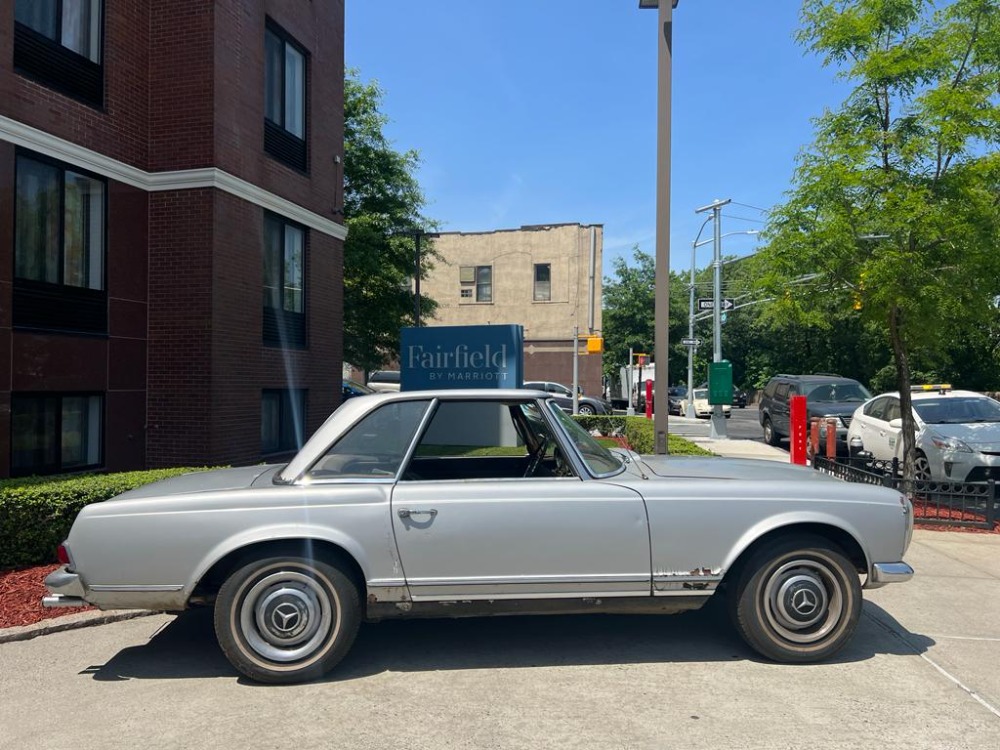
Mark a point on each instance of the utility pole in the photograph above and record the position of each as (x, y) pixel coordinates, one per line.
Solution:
(416, 278)
(718, 418)
(576, 369)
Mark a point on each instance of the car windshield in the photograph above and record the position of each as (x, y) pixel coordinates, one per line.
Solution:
(599, 460)
(355, 386)
(837, 392)
(700, 394)
(957, 410)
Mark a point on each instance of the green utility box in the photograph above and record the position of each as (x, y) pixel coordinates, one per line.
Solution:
(720, 382)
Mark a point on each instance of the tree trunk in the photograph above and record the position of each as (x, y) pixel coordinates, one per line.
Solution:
(905, 405)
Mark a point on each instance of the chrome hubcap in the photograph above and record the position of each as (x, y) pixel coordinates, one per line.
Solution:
(286, 615)
(803, 601)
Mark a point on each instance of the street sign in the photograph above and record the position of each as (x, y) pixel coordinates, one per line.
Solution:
(706, 303)
(691, 342)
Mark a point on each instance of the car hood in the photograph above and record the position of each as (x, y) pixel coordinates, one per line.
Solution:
(833, 408)
(712, 467)
(984, 436)
(200, 481)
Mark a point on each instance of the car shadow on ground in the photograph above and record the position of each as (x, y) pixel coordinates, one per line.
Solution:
(186, 646)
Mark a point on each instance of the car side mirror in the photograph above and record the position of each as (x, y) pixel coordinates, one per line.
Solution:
(896, 423)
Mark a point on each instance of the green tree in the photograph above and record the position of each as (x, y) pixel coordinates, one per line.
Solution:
(896, 203)
(381, 199)
(628, 314)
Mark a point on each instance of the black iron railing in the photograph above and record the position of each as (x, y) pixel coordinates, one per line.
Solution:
(973, 504)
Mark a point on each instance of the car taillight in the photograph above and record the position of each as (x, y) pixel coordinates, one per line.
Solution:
(62, 554)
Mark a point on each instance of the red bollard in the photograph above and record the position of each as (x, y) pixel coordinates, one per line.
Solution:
(797, 428)
(831, 438)
(649, 399)
(814, 437)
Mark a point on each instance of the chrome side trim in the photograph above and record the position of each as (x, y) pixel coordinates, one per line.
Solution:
(141, 589)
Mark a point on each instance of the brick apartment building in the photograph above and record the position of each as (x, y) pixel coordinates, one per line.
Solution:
(546, 278)
(171, 241)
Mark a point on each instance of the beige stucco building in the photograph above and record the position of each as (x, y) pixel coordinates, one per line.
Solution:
(546, 278)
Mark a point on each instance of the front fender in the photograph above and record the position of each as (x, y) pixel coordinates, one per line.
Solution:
(788, 521)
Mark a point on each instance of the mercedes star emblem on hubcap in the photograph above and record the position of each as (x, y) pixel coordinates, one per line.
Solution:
(804, 602)
(285, 617)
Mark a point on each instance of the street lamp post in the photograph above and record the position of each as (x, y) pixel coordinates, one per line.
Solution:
(661, 311)
(689, 411)
(718, 418)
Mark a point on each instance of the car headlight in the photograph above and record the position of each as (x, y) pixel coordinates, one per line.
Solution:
(950, 444)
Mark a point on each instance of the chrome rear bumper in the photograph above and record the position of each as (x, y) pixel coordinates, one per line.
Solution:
(66, 589)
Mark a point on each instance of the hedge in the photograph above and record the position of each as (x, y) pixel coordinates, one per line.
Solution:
(638, 432)
(36, 513)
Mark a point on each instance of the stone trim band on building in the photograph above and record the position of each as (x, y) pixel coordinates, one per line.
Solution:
(26, 136)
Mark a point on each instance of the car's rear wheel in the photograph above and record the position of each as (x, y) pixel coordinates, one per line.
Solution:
(586, 410)
(286, 619)
(798, 600)
(921, 468)
(770, 436)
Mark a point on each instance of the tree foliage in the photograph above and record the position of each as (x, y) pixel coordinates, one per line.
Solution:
(381, 199)
(628, 311)
(895, 205)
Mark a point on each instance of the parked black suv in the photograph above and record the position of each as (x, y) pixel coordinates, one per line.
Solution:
(826, 396)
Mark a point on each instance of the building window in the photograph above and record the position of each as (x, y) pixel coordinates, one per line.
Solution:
(543, 282)
(478, 277)
(59, 248)
(282, 420)
(284, 283)
(59, 43)
(484, 283)
(52, 433)
(284, 98)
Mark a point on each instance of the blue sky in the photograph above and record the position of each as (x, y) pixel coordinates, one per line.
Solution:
(544, 111)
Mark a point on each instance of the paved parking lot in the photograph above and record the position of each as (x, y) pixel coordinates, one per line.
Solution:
(921, 673)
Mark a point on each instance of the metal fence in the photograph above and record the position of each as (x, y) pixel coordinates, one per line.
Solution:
(974, 504)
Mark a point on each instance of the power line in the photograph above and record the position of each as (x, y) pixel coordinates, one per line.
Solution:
(755, 208)
(744, 218)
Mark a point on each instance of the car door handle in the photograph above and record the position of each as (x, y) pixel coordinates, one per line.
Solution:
(406, 512)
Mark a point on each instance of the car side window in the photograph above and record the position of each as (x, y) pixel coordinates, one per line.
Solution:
(375, 446)
(469, 440)
(770, 389)
(876, 408)
(892, 410)
(781, 392)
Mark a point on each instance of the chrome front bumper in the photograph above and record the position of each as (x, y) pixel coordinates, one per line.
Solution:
(883, 573)
(66, 589)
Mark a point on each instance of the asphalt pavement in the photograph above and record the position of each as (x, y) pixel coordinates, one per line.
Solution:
(920, 673)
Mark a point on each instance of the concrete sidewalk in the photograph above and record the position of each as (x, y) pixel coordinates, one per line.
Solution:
(741, 449)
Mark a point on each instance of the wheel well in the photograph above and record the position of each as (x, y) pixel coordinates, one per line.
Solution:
(842, 539)
(209, 584)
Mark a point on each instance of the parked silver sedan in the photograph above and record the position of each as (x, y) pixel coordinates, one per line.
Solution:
(482, 502)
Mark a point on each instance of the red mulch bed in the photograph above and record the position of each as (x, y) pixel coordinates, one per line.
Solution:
(922, 509)
(21, 593)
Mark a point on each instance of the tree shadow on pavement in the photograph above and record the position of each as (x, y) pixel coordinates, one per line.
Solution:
(186, 647)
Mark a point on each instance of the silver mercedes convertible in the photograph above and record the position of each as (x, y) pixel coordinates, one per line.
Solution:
(481, 502)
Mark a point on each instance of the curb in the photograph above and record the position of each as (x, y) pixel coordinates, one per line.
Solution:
(70, 622)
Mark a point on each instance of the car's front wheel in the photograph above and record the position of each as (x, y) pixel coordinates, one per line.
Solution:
(286, 619)
(798, 600)
(586, 410)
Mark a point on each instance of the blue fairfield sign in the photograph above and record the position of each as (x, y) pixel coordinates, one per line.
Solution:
(462, 357)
